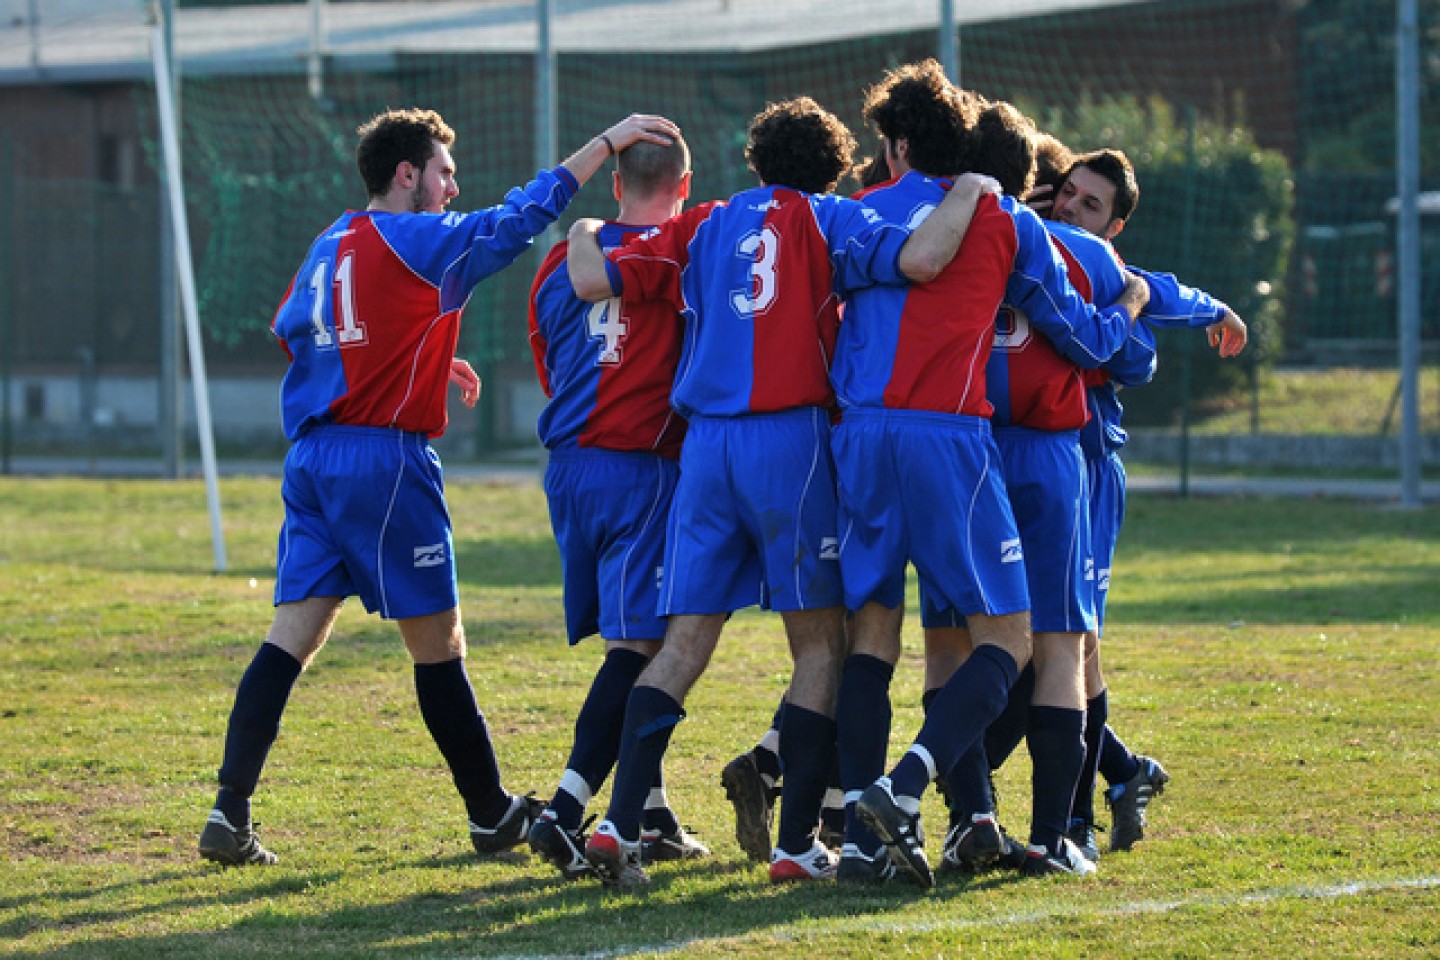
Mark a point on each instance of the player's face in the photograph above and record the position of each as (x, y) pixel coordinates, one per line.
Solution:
(1087, 200)
(436, 186)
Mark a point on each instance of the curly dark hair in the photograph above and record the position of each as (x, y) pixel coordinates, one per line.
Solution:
(1114, 166)
(390, 138)
(917, 103)
(799, 144)
(1007, 147)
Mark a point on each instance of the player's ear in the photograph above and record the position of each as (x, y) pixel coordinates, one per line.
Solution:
(684, 192)
(1113, 229)
(405, 174)
(615, 186)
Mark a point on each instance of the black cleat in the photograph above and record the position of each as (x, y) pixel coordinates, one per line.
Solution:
(512, 829)
(1082, 834)
(1040, 862)
(1127, 803)
(973, 847)
(680, 845)
(859, 868)
(900, 831)
(753, 808)
(222, 842)
(563, 849)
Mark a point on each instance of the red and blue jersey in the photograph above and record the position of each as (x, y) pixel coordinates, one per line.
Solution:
(923, 347)
(758, 282)
(1028, 380)
(372, 318)
(607, 367)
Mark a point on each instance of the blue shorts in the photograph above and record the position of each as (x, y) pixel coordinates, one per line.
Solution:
(1107, 514)
(1045, 474)
(926, 488)
(754, 516)
(609, 510)
(365, 514)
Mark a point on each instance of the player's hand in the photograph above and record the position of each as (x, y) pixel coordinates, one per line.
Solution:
(1229, 334)
(1040, 199)
(978, 183)
(464, 376)
(584, 227)
(642, 126)
(1135, 295)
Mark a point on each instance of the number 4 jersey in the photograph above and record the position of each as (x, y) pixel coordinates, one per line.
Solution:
(372, 318)
(607, 367)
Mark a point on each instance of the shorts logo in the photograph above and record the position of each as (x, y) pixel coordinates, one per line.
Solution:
(660, 577)
(829, 548)
(1089, 569)
(1102, 581)
(1010, 551)
(431, 556)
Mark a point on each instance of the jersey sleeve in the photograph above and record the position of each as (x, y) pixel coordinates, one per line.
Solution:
(864, 247)
(651, 267)
(1173, 304)
(1135, 362)
(1038, 285)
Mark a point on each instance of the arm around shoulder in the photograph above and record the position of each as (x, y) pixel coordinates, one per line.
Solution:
(934, 243)
(586, 262)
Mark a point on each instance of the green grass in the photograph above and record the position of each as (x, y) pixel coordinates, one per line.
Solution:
(1330, 400)
(1279, 656)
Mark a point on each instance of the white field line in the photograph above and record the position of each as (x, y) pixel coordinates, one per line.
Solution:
(871, 923)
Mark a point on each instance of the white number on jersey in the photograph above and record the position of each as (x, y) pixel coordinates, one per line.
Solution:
(918, 216)
(351, 331)
(1012, 329)
(762, 249)
(609, 328)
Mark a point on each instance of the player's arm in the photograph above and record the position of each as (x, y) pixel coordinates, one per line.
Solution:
(1174, 304)
(933, 244)
(1135, 362)
(589, 270)
(583, 163)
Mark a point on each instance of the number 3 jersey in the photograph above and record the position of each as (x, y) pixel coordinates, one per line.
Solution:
(372, 318)
(607, 367)
(757, 281)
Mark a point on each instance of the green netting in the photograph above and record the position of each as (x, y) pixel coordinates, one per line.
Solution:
(1262, 132)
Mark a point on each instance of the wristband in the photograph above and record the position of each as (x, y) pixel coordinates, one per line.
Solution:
(608, 144)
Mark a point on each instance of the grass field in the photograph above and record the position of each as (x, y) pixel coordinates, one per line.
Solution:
(1279, 656)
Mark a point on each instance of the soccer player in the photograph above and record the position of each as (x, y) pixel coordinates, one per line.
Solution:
(614, 444)
(370, 323)
(917, 468)
(1040, 405)
(753, 521)
(1098, 192)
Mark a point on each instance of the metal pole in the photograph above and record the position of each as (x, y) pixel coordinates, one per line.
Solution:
(1407, 173)
(170, 402)
(185, 269)
(546, 129)
(33, 22)
(1187, 352)
(949, 52)
(7, 294)
(315, 62)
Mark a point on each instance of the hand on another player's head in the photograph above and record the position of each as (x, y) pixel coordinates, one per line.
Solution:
(1229, 333)
(1040, 199)
(643, 126)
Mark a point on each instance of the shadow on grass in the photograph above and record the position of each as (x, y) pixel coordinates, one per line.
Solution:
(533, 913)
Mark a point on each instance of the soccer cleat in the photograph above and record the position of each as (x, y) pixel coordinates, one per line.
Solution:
(857, 867)
(615, 860)
(900, 831)
(753, 808)
(817, 863)
(1127, 802)
(1012, 856)
(680, 845)
(973, 847)
(1040, 862)
(222, 842)
(512, 829)
(563, 848)
(1082, 834)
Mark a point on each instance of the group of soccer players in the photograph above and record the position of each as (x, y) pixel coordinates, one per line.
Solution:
(785, 399)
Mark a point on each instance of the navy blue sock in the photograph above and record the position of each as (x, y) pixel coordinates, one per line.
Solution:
(1117, 764)
(597, 731)
(1005, 734)
(1097, 714)
(447, 703)
(807, 749)
(968, 784)
(254, 724)
(1057, 751)
(862, 730)
(650, 718)
(970, 700)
